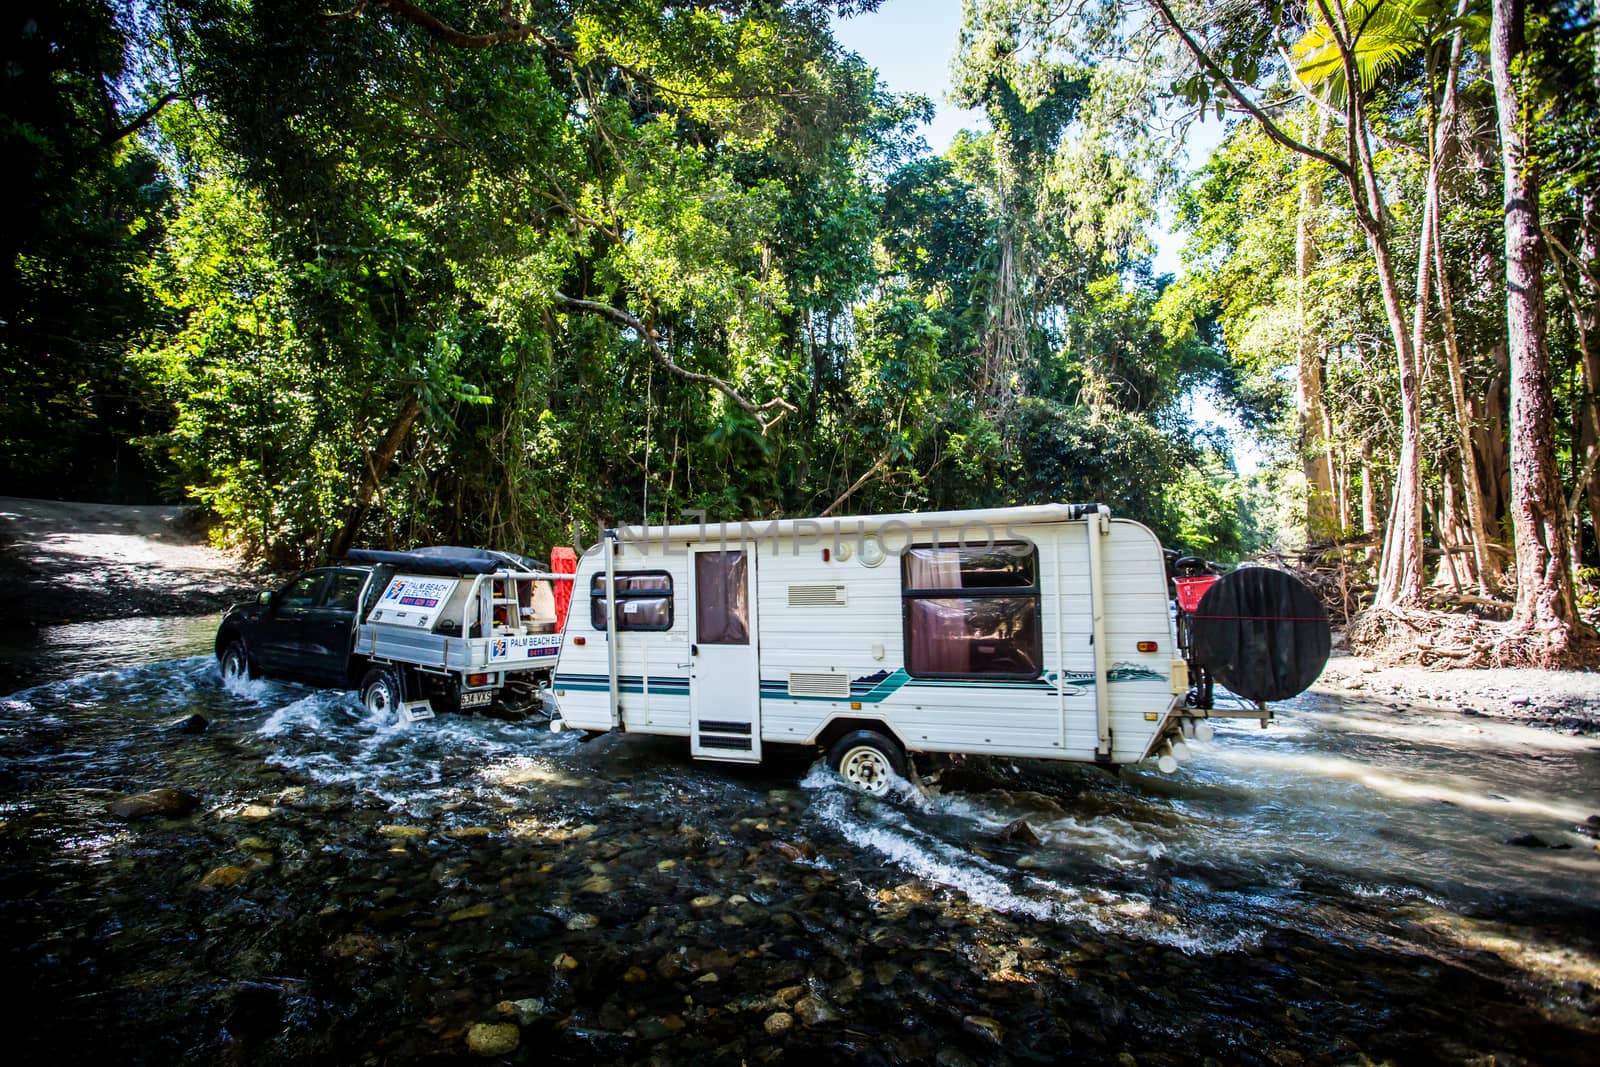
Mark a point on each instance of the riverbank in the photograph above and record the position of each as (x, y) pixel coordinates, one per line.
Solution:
(1568, 701)
(67, 562)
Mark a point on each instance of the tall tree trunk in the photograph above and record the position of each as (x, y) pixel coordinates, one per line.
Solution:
(1486, 565)
(1322, 519)
(1442, 145)
(372, 475)
(1369, 490)
(1545, 609)
(1400, 575)
(1586, 313)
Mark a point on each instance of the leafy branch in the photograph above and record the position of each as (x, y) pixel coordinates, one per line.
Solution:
(652, 341)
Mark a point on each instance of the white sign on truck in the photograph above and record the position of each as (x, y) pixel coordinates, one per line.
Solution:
(413, 600)
(533, 646)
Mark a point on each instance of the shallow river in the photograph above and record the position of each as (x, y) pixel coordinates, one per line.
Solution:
(1336, 889)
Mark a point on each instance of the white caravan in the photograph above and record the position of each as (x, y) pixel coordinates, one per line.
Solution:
(1041, 632)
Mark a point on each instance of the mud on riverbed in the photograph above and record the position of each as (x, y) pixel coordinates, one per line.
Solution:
(1336, 890)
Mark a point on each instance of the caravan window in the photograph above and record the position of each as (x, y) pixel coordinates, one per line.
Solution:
(644, 600)
(972, 611)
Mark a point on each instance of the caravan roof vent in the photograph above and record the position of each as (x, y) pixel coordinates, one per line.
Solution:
(817, 596)
(819, 684)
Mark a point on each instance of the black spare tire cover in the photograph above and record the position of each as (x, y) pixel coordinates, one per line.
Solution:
(1262, 634)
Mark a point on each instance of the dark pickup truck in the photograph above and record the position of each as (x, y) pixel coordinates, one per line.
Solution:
(434, 628)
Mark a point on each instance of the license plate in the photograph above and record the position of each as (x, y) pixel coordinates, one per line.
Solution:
(481, 699)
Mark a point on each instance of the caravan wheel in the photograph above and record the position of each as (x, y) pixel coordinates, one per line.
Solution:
(868, 760)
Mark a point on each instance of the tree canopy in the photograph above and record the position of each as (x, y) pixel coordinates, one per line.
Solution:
(448, 270)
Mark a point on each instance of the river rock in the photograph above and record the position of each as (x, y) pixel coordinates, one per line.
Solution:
(983, 1026)
(223, 877)
(525, 1011)
(779, 1022)
(493, 1039)
(1019, 831)
(189, 724)
(157, 803)
(814, 1011)
(1527, 841)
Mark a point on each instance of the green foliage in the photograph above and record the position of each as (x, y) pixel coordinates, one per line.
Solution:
(478, 294)
(86, 204)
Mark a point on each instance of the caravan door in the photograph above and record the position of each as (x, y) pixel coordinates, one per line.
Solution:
(724, 677)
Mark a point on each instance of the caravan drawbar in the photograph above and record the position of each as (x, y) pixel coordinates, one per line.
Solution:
(1042, 632)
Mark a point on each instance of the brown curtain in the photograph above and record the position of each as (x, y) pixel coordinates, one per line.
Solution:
(722, 598)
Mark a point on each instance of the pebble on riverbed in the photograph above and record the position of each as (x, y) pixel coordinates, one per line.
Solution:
(223, 877)
(1534, 841)
(157, 803)
(189, 724)
(493, 1039)
(1019, 832)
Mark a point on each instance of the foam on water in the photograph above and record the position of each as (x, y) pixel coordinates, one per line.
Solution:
(332, 739)
(884, 828)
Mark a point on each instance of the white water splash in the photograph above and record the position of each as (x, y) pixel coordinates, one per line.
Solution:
(887, 831)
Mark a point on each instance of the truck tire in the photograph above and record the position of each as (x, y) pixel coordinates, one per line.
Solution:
(868, 761)
(234, 664)
(380, 692)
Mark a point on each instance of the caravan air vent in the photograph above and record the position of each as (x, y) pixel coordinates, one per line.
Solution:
(819, 684)
(817, 596)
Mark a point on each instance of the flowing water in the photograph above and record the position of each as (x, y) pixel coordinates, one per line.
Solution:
(1336, 889)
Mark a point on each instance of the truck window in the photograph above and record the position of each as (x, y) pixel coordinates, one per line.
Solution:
(972, 611)
(644, 600)
(343, 591)
(300, 593)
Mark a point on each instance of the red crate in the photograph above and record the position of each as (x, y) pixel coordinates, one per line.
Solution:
(1191, 590)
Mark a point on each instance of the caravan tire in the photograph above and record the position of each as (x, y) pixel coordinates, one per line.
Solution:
(380, 693)
(868, 761)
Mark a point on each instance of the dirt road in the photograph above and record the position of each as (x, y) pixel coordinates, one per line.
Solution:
(69, 562)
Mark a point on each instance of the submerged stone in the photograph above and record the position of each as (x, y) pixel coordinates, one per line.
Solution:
(493, 1039)
(813, 1011)
(779, 1022)
(189, 724)
(1535, 841)
(157, 803)
(1019, 831)
(984, 1027)
(223, 877)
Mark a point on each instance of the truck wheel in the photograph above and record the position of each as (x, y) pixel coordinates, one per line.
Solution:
(868, 760)
(234, 664)
(380, 693)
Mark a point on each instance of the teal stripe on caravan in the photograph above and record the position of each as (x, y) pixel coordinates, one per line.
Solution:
(859, 690)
